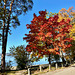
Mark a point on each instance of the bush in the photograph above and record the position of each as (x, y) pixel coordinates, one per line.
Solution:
(21, 56)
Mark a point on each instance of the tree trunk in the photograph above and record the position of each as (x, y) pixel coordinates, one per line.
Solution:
(62, 57)
(3, 61)
(4, 38)
(63, 60)
(3, 42)
(8, 22)
(49, 59)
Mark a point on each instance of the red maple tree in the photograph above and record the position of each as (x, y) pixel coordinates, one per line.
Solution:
(47, 36)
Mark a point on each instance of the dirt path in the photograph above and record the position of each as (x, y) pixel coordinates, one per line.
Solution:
(67, 71)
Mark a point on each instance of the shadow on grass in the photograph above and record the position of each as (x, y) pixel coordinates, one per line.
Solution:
(8, 71)
(73, 66)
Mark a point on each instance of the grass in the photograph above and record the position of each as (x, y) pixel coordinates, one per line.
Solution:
(34, 71)
(47, 70)
(9, 73)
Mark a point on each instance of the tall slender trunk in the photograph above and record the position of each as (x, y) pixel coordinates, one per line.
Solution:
(3, 42)
(49, 59)
(4, 38)
(8, 22)
(63, 60)
(62, 57)
(3, 61)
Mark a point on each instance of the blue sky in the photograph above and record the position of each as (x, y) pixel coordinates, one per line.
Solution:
(16, 38)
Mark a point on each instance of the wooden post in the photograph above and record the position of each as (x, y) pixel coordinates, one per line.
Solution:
(40, 68)
(70, 61)
(56, 65)
(62, 64)
(49, 66)
(29, 72)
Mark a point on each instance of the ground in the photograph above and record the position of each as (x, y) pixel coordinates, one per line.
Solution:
(65, 71)
(60, 71)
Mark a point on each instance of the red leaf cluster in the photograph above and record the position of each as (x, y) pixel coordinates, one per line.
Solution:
(47, 36)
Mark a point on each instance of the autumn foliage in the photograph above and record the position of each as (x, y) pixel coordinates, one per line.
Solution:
(47, 36)
(65, 14)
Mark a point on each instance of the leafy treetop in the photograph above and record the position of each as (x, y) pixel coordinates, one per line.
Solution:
(47, 35)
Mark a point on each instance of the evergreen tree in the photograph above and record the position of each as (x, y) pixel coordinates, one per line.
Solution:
(9, 12)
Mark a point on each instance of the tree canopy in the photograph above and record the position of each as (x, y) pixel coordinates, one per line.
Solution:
(47, 35)
(9, 12)
(65, 14)
(21, 56)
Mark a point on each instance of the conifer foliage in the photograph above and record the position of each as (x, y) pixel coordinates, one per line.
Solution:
(9, 12)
